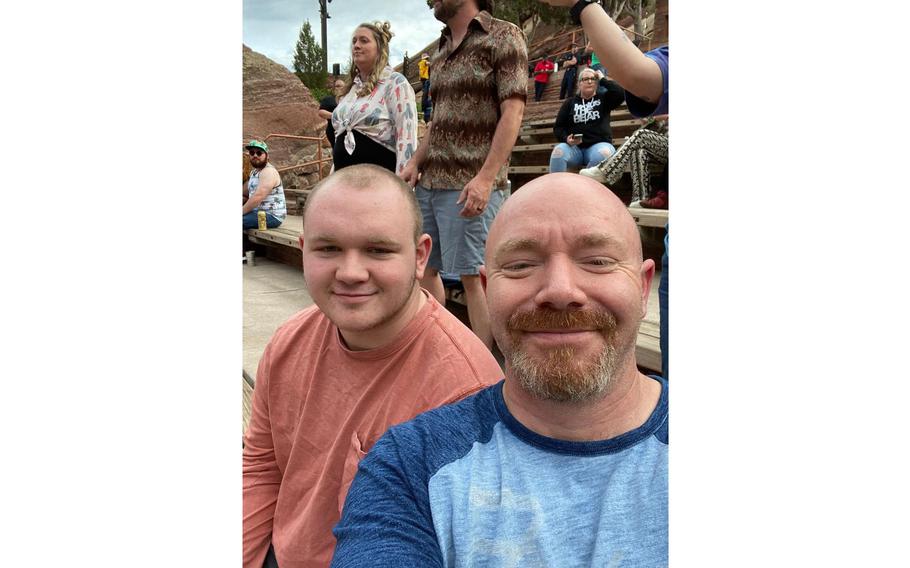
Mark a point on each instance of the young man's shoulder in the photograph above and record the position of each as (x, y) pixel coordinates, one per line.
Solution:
(441, 435)
(306, 321)
(458, 350)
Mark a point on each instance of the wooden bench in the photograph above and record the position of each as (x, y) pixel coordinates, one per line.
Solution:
(649, 217)
(647, 347)
(287, 234)
(548, 147)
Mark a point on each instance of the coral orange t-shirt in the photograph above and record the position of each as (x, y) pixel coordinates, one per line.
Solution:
(319, 407)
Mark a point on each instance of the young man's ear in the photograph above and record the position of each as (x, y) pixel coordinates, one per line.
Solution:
(424, 245)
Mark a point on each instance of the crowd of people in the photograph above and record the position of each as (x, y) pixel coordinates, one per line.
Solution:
(383, 431)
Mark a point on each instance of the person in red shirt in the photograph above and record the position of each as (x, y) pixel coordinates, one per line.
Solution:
(542, 72)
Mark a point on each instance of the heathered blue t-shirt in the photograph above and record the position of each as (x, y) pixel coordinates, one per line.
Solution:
(640, 107)
(468, 485)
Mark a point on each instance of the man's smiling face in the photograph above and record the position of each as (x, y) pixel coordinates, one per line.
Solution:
(566, 287)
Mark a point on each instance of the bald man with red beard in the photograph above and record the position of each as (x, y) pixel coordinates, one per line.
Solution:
(564, 463)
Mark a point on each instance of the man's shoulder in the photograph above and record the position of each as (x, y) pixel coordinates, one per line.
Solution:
(504, 25)
(501, 30)
(269, 170)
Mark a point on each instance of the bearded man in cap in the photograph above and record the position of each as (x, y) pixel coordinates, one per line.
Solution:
(263, 191)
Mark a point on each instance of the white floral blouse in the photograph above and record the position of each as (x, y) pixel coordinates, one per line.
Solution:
(388, 115)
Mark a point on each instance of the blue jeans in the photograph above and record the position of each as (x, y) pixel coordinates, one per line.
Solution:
(564, 156)
(567, 87)
(251, 220)
(425, 103)
(663, 295)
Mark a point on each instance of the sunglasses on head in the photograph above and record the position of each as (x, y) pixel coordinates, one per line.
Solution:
(256, 153)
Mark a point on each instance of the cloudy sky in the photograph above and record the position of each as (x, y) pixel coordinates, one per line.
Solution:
(271, 27)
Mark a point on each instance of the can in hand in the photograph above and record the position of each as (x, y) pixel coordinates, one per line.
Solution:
(261, 217)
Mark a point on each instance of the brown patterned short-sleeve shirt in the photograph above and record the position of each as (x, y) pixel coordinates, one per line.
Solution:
(469, 83)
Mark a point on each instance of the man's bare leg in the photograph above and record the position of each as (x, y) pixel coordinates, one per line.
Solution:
(477, 308)
(432, 282)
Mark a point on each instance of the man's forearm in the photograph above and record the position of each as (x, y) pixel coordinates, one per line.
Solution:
(625, 63)
(420, 155)
(254, 201)
(504, 137)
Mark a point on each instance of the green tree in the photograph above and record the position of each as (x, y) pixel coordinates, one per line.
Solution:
(308, 62)
(518, 11)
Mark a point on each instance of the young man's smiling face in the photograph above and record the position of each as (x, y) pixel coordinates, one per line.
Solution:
(360, 261)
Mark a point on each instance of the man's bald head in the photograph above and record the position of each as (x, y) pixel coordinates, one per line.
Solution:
(566, 194)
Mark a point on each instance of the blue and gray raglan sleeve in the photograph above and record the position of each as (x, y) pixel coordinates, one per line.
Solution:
(387, 519)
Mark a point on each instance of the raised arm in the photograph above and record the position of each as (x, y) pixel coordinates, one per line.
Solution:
(386, 519)
(635, 72)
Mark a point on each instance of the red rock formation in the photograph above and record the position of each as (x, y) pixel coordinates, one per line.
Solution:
(276, 102)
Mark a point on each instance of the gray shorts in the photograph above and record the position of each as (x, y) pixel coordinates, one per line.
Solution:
(458, 242)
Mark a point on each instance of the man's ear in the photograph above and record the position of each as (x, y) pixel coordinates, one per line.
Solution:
(424, 245)
(483, 277)
(647, 275)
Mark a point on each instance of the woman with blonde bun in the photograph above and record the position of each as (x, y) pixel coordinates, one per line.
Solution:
(376, 118)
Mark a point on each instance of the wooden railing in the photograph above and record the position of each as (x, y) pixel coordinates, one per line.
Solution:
(319, 159)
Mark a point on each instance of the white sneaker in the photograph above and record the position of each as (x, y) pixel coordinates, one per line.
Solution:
(593, 173)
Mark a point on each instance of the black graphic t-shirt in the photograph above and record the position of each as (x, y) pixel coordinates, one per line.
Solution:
(589, 117)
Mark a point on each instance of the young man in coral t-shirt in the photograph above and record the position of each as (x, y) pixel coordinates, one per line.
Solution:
(375, 351)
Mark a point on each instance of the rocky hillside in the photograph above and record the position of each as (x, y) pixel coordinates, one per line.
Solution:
(276, 102)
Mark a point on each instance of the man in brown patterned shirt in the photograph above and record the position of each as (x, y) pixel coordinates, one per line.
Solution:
(479, 88)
